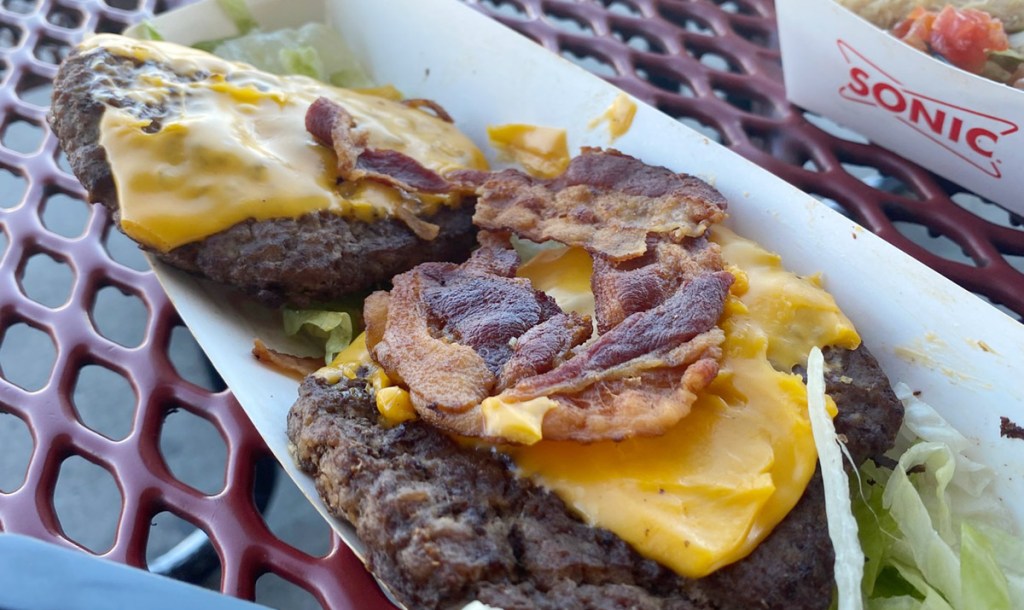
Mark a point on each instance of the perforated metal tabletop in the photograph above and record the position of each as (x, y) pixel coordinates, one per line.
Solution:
(67, 362)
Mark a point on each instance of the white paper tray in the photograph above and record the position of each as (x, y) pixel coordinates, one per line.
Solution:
(957, 124)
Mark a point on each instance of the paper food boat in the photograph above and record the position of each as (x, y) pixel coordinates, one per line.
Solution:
(959, 125)
(964, 356)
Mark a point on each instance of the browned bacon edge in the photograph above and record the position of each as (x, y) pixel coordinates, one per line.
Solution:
(606, 202)
(690, 311)
(667, 285)
(421, 332)
(332, 126)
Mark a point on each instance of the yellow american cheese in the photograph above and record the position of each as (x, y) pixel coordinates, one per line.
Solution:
(395, 405)
(516, 422)
(619, 117)
(234, 146)
(707, 492)
(542, 151)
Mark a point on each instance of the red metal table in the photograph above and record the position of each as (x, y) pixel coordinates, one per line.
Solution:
(713, 65)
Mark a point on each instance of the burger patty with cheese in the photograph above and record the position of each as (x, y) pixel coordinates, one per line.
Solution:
(618, 422)
(207, 164)
(488, 444)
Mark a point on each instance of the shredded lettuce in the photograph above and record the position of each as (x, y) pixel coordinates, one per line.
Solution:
(1004, 66)
(313, 50)
(333, 328)
(238, 12)
(842, 525)
(147, 31)
(302, 60)
(933, 533)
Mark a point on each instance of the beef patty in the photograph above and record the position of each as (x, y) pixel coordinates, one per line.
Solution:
(445, 524)
(317, 257)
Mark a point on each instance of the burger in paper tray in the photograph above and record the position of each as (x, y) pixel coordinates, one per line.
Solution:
(614, 400)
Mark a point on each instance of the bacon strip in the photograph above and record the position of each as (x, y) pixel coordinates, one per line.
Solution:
(622, 289)
(397, 169)
(332, 126)
(643, 340)
(485, 312)
(434, 107)
(296, 367)
(605, 201)
(440, 374)
(544, 347)
(641, 402)
(658, 285)
(451, 332)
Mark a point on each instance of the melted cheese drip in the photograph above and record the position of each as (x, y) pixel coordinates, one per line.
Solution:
(542, 151)
(706, 493)
(234, 146)
(516, 422)
(618, 116)
(395, 405)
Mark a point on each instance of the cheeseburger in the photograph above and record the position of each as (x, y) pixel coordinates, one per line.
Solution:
(206, 164)
(618, 421)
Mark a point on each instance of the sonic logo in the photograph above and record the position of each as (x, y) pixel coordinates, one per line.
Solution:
(972, 136)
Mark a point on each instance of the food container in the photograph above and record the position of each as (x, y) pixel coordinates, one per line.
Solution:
(959, 125)
(963, 356)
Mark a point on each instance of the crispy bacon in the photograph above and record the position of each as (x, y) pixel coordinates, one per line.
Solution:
(332, 126)
(641, 377)
(375, 316)
(397, 169)
(544, 347)
(645, 340)
(469, 337)
(484, 311)
(433, 106)
(452, 332)
(423, 229)
(659, 291)
(642, 402)
(295, 367)
(440, 374)
(605, 201)
(624, 288)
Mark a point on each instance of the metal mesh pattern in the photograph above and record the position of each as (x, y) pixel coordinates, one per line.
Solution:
(34, 36)
(713, 65)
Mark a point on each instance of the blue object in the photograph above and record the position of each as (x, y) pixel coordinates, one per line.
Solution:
(36, 575)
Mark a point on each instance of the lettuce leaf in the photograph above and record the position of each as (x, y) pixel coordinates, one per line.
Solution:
(982, 581)
(333, 328)
(147, 31)
(238, 12)
(302, 60)
(842, 525)
(313, 50)
(934, 534)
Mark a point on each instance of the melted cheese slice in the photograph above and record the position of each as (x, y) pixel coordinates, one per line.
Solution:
(234, 146)
(542, 151)
(706, 493)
